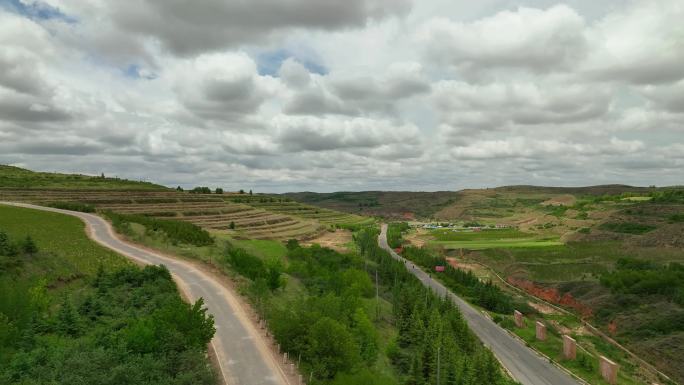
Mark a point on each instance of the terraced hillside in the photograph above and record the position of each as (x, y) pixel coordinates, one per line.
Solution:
(290, 207)
(406, 205)
(213, 212)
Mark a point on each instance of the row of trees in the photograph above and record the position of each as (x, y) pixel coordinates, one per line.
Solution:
(124, 327)
(434, 344)
(268, 273)
(73, 206)
(464, 283)
(176, 231)
(13, 248)
(329, 328)
(207, 190)
(394, 234)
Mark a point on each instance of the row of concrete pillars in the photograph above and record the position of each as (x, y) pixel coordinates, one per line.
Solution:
(607, 368)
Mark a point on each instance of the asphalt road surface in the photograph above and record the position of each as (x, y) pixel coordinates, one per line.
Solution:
(243, 355)
(525, 365)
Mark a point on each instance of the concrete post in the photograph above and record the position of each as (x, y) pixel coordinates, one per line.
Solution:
(541, 331)
(285, 358)
(292, 368)
(519, 321)
(569, 348)
(301, 380)
(608, 370)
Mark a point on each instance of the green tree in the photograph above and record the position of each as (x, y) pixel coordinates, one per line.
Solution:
(4, 243)
(219, 190)
(68, 322)
(28, 246)
(366, 336)
(331, 348)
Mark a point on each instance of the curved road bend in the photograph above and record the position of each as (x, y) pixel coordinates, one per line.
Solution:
(525, 365)
(243, 355)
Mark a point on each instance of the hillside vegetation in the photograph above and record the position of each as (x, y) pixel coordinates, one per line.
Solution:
(72, 312)
(19, 178)
(568, 246)
(388, 204)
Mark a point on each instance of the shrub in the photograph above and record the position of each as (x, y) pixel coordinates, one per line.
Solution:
(177, 231)
(627, 228)
(73, 206)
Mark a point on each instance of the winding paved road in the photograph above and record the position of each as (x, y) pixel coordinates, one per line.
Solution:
(525, 365)
(243, 355)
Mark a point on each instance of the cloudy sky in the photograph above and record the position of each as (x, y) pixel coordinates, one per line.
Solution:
(326, 95)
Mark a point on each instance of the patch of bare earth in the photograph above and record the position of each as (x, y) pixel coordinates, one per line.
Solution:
(560, 200)
(417, 238)
(543, 308)
(338, 240)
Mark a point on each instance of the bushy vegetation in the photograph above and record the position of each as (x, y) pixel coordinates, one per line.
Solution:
(633, 276)
(125, 327)
(394, 234)
(676, 218)
(464, 283)
(260, 271)
(176, 231)
(200, 190)
(627, 227)
(72, 312)
(668, 196)
(73, 206)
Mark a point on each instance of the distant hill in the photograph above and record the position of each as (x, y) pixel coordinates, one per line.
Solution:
(447, 205)
(389, 204)
(18, 178)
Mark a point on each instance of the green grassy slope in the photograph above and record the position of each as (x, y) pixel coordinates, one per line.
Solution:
(19, 178)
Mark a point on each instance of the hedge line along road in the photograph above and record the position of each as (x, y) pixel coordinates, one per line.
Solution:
(242, 353)
(526, 366)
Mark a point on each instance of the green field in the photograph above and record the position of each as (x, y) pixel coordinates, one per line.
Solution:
(488, 239)
(72, 253)
(495, 244)
(486, 234)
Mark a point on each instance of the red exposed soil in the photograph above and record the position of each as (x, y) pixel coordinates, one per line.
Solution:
(551, 295)
(612, 327)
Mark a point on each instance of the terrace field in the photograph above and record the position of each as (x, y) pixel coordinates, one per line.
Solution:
(242, 216)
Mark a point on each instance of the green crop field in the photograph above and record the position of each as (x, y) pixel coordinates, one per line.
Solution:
(488, 239)
(71, 251)
(487, 234)
(496, 244)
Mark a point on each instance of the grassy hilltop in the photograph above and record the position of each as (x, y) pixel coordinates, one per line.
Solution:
(18, 178)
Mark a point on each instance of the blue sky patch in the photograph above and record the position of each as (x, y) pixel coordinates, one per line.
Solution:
(269, 63)
(134, 71)
(36, 10)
